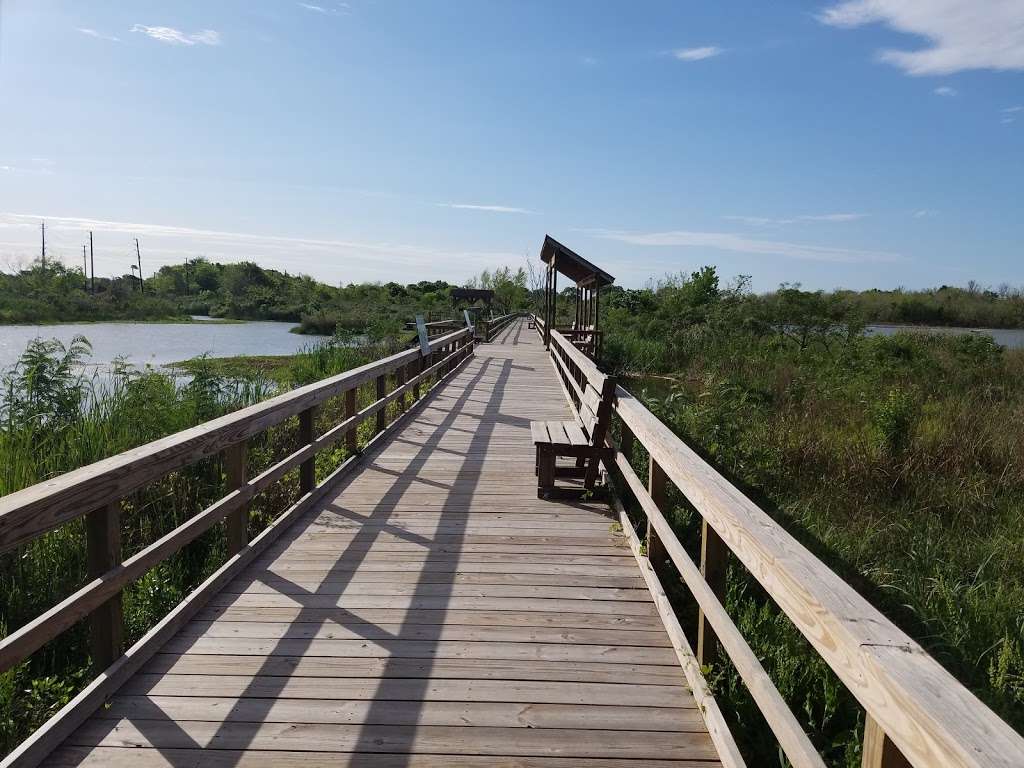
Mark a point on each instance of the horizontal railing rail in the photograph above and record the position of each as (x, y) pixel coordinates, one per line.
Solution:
(917, 713)
(95, 491)
(26, 514)
(495, 325)
(587, 340)
(438, 326)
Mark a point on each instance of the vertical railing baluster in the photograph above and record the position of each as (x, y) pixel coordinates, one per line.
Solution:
(103, 552)
(402, 376)
(410, 374)
(655, 487)
(307, 470)
(879, 751)
(626, 441)
(236, 473)
(382, 390)
(713, 563)
(352, 436)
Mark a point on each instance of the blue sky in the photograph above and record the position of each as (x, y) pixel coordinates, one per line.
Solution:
(866, 143)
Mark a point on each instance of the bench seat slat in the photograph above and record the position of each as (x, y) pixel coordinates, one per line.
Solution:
(539, 432)
(575, 434)
(557, 431)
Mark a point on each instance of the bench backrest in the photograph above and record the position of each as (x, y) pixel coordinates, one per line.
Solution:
(595, 410)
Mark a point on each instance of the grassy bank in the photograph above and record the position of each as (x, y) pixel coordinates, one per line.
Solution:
(275, 368)
(53, 420)
(898, 460)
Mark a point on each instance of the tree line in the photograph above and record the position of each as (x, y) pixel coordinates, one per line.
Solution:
(242, 291)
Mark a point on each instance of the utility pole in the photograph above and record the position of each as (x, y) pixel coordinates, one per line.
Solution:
(85, 269)
(138, 255)
(42, 226)
(92, 261)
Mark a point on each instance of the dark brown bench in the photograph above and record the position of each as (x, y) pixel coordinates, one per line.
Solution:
(582, 439)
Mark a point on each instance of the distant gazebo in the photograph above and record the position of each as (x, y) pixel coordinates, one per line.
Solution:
(471, 296)
(589, 279)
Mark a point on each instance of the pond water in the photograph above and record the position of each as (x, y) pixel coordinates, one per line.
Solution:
(1010, 338)
(159, 343)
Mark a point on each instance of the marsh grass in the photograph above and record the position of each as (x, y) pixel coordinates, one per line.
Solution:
(898, 461)
(53, 419)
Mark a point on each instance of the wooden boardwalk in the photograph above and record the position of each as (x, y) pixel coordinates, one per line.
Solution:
(430, 612)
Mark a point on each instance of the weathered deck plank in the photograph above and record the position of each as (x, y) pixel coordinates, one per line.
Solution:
(431, 611)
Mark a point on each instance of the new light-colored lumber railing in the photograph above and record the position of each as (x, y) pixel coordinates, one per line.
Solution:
(95, 492)
(916, 712)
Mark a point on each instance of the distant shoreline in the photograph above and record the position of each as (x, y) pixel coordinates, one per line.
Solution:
(186, 320)
(929, 326)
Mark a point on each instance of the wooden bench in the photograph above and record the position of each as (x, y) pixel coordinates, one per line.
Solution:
(582, 438)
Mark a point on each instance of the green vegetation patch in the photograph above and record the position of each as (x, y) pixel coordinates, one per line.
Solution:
(898, 461)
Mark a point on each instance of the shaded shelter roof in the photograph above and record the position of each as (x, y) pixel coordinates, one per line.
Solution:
(472, 294)
(572, 265)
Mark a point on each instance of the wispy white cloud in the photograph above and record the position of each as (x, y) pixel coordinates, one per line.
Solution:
(1011, 110)
(961, 34)
(727, 241)
(589, 61)
(98, 35)
(765, 221)
(945, 90)
(328, 9)
(327, 258)
(925, 213)
(1008, 120)
(35, 165)
(489, 208)
(173, 36)
(697, 54)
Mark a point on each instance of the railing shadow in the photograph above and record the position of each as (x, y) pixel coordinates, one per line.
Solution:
(392, 688)
(432, 590)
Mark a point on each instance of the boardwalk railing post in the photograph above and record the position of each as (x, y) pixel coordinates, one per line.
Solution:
(656, 488)
(237, 523)
(307, 470)
(400, 379)
(352, 436)
(103, 552)
(713, 561)
(626, 441)
(382, 390)
(879, 751)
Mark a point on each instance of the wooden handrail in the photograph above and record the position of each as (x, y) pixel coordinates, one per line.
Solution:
(909, 698)
(110, 480)
(498, 323)
(26, 514)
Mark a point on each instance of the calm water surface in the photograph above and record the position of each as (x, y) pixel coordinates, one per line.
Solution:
(159, 343)
(1012, 339)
